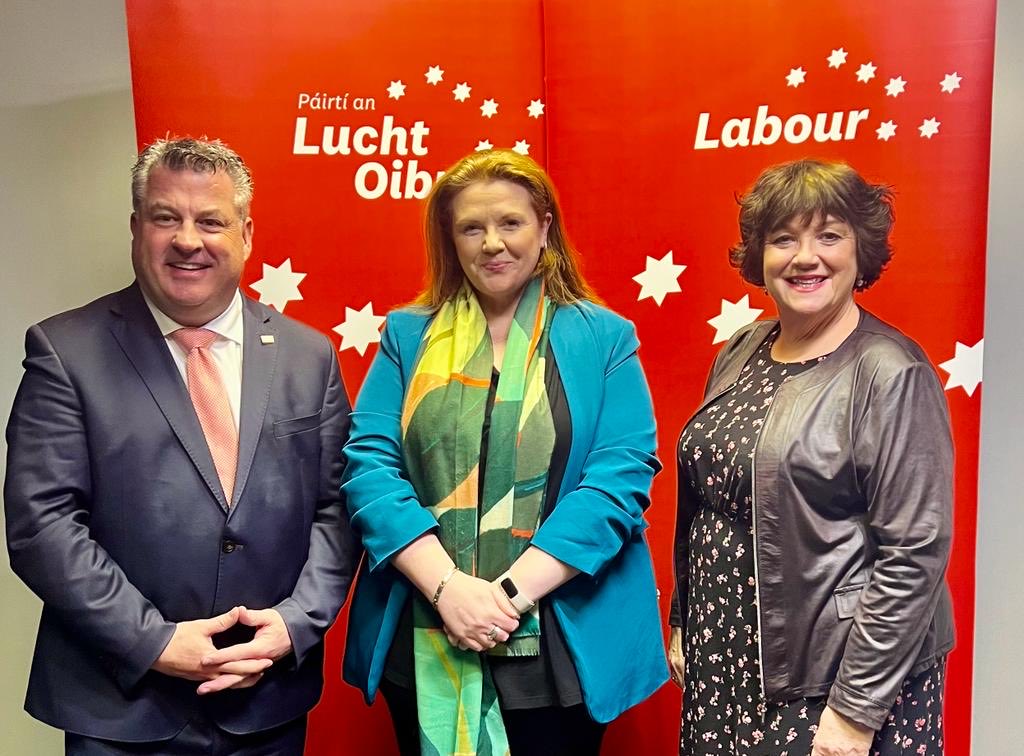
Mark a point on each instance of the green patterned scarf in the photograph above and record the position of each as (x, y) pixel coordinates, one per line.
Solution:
(484, 532)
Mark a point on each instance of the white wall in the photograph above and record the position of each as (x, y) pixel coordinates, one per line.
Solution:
(64, 203)
(999, 650)
(67, 142)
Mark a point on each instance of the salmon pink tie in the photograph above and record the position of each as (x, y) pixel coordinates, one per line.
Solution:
(210, 399)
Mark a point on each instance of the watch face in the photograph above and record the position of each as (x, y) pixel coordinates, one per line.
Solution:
(509, 587)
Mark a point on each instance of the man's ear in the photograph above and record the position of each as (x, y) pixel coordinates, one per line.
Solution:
(247, 227)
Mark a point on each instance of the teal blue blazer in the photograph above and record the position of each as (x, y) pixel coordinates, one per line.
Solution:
(608, 613)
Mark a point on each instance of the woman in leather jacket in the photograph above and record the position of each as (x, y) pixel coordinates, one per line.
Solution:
(815, 499)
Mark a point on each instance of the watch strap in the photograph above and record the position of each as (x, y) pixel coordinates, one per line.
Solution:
(519, 602)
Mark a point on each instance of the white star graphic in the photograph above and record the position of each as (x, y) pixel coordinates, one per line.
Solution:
(489, 108)
(396, 89)
(950, 82)
(929, 128)
(660, 277)
(535, 108)
(461, 92)
(886, 130)
(733, 317)
(795, 77)
(434, 75)
(895, 87)
(484, 144)
(360, 329)
(522, 147)
(837, 58)
(279, 285)
(866, 72)
(965, 367)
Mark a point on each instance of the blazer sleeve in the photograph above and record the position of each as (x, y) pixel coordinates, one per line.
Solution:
(904, 452)
(47, 498)
(590, 524)
(380, 498)
(327, 574)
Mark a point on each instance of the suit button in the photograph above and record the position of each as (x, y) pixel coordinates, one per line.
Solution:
(228, 546)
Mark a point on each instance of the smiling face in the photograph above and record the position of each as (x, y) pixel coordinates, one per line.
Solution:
(810, 268)
(188, 244)
(498, 239)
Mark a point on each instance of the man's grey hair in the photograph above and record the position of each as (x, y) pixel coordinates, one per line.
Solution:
(199, 155)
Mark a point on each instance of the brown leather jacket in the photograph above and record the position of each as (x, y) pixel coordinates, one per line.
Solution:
(853, 495)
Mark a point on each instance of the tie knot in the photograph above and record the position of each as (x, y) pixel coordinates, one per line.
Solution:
(193, 338)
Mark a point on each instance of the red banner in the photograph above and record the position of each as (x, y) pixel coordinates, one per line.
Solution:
(650, 116)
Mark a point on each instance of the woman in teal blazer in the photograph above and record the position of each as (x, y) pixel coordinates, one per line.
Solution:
(600, 591)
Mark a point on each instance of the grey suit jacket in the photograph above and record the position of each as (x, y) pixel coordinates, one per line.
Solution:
(116, 518)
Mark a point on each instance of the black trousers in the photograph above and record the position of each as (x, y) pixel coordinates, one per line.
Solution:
(546, 731)
(200, 736)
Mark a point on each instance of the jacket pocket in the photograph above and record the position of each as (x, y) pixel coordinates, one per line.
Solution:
(846, 599)
(283, 428)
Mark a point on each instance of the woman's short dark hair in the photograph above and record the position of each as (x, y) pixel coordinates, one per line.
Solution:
(559, 262)
(804, 189)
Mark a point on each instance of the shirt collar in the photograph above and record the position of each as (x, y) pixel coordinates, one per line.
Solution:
(227, 325)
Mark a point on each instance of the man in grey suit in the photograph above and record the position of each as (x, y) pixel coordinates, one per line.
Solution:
(172, 490)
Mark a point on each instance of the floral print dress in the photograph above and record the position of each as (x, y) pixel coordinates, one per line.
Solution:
(723, 711)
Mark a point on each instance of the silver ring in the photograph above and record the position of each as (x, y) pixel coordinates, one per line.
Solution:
(492, 634)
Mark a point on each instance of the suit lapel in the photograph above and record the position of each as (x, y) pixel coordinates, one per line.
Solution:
(259, 360)
(145, 347)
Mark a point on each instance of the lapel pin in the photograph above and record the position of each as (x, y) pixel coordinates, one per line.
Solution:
(266, 338)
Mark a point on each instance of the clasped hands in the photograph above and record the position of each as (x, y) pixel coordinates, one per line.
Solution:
(191, 654)
(471, 608)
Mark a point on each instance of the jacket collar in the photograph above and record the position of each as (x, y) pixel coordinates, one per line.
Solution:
(735, 355)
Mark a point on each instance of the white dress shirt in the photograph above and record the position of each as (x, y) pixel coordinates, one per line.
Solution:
(226, 349)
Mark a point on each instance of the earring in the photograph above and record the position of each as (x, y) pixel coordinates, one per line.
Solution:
(859, 283)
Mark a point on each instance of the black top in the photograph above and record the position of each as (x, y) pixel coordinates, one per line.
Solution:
(522, 682)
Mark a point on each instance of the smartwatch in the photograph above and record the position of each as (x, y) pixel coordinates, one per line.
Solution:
(519, 602)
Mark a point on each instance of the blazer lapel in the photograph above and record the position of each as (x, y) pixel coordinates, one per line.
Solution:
(144, 346)
(259, 360)
(579, 371)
